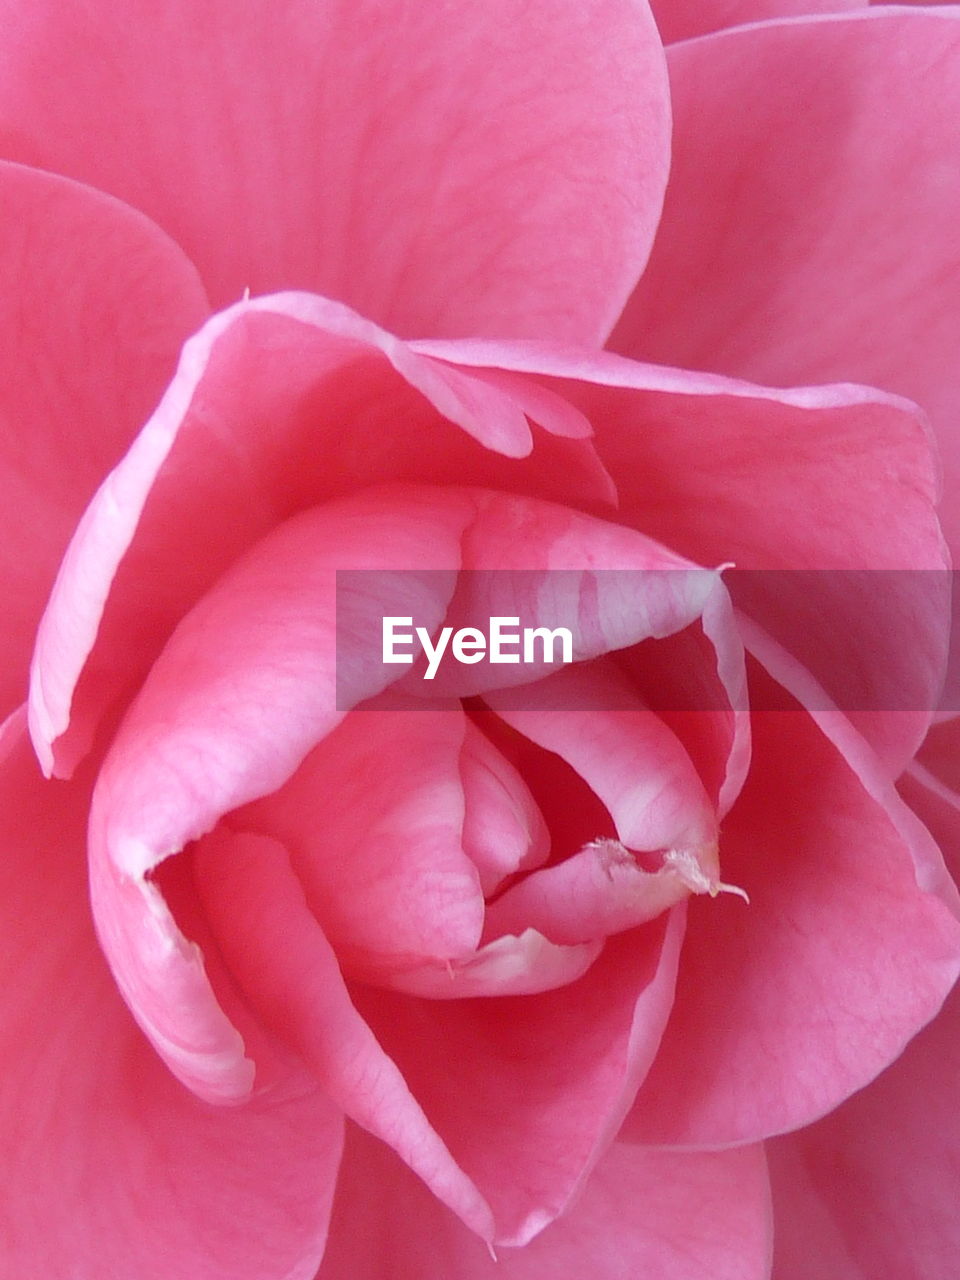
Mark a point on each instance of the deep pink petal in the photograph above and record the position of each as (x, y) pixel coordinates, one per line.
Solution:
(940, 753)
(930, 869)
(109, 1167)
(197, 742)
(684, 19)
(872, 1189)
(852, 484)
(94, 304)
(527, 1092)
(787, 1006)
(642, 1213)
(276, 405)
(831, 254)
(494, 169)
(287, 971)
(372, 821)
(503, 829)
(624, 753)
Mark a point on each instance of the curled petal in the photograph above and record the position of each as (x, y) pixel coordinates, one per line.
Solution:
(95, 302)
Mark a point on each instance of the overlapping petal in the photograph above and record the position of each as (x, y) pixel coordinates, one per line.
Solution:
(495, 169)
(529, 1091)
(94, 304)
(643, 1212)
(109, 1167)
(796, 488)
(685, 19)
(276, 405)
(810, 230)
(779, 1014)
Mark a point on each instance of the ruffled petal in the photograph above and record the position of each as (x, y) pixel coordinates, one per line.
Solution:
(801, 490)
(109, 1167)
(277, 405)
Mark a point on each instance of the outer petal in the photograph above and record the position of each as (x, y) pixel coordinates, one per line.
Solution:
(788, 1006)
(683, 19)
(810, 231)
(529, 1091)
(94, 304)
(824, 479)
(642, 1213)
(491, 169)
(277, 405)
(872, 1189)
(109, 1167)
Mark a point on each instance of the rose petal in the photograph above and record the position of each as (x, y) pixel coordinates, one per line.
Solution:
(642, 1213)
(372, 822)
(503, 829)
(520, 964)
(496, 169)
(640, 771)
(833, 253)
(109, 1167)
(528, 1091)
(197, 744)
(929, 867)
(684, 19)
(893, 1210)
(851, 482)
(839, 959)
(872, 1189)
(625, 754)
(346, 405)
(94, 304)
(277, 953)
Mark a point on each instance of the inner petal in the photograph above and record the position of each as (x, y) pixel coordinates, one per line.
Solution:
(373, 821)
(667, 840)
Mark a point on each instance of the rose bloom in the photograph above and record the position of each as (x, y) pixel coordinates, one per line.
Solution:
(295, 989)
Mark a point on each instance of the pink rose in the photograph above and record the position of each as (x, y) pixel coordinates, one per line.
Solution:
(300, 990)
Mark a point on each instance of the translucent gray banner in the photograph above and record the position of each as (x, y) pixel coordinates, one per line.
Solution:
(668, 639)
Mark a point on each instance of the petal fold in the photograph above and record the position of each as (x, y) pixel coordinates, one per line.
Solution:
(788, 1006)
(832, 252)
(108, 1166)
(642, 1213)
(95, 302)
